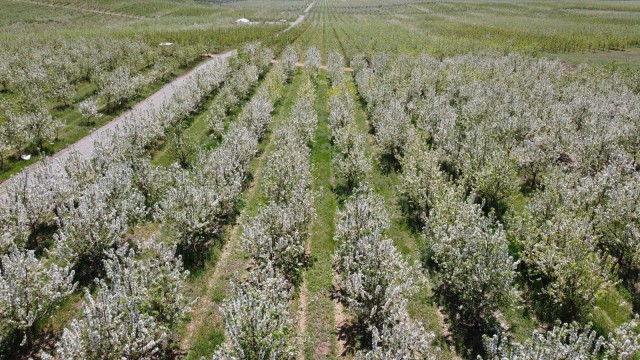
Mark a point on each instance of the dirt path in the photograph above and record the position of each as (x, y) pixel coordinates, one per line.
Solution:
(77, 8)
(204, 303)
(302, 305)
(309, 7)
(84, 147)
(299, 20)
(341, 318)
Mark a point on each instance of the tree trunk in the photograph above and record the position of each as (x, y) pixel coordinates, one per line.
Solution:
(29, 335)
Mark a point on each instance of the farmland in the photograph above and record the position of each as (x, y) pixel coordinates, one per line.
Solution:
(336, 179)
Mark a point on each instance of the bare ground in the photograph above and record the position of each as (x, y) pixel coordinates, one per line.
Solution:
(341, 318)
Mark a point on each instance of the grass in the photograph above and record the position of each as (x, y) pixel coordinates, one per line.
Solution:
(321, 331)
(613, 308)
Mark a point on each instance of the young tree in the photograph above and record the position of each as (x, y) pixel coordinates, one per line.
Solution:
(342, 111)
(88, 108)
(182, 147)
(40, 127)
(111, 328)
(562, 254)
(358, 63)
(215, 117)
(335, 68)
(421, 178)
(257, 319)
(97, 220)
(5, 72)
(288, 175)
(405, 340)
(257, 115)
(119, 86)
(30, 289)
(28, 207)
(194, 210)
(62, 89)
(135, 308)
(471, 253)
(312, 61)
(289, 59)
(12, 132)
(364, 214)
(350, 160)
(154, 277)
(560, 244)
(393, 130)
(31, 82)
(5, 143)
(374, 280)
(277, 237)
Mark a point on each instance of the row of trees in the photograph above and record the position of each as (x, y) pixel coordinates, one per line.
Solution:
(49, 70)
(372, 277)
(257, 316)
(42, 73)
(350, 161)
(256, 61)
(569, 341)
(203, 197)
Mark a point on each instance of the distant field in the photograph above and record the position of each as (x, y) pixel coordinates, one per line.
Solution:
(456, 27)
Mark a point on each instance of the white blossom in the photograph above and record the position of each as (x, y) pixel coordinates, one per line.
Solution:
(30, 290)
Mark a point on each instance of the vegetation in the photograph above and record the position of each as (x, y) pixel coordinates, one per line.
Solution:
(363, 179)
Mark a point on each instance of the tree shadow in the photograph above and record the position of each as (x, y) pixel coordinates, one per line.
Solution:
(355, 336)
(466, 332)
(413, 215)
(389, 164)
(343, 190)
(44, 340)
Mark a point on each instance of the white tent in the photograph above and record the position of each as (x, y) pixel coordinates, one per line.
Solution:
(242, 21)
